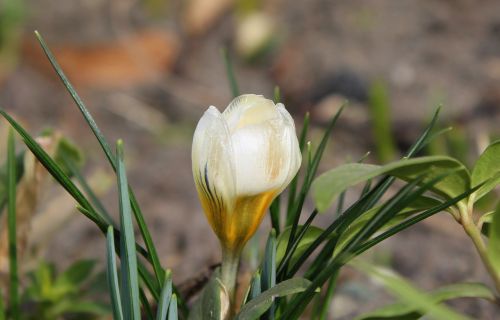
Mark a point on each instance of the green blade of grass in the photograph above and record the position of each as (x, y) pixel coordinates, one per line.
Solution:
(298, 304)
(88, 190)
(112, 273)
(130, 282)
(292, 190)
(155, 261)
(2, 309)
(233, 84)
(274, 211)
(146, 307)
(166, 295)
(310, 173)
(11, 222)
(172, 309)
(413, 220)
(56, 172)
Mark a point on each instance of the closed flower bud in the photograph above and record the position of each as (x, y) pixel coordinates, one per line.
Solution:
(242, 159)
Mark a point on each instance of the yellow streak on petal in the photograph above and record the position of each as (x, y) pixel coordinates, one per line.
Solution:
(235, 228)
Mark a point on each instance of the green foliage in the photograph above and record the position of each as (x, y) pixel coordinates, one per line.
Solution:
(11, 222)
(415, 303)
(260, 304)
(428, 185)
(494, 240)
(330, 184)
(409, 311)
(52, 295)
(487, 170)
(212, 302)
(381, 123)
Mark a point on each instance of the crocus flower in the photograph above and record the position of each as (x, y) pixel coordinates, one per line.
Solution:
(242, 159)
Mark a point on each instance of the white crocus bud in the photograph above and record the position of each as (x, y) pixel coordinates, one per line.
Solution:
(242, 159)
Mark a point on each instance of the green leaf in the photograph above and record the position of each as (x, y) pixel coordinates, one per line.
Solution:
(11, 222)
(420, 204)
(380, 116)
(330, 184)
(258, 306)
(68, 151)
(153, 254)
(172, 309)
(230, 73)
(487, 169)
(401, 310)
(494, 240)
(76, 274)
(130, 289)
(166, 296)
(310, 235)
(113, 276)
(408, 294)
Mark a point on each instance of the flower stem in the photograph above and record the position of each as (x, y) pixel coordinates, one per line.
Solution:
(229, 275)
(474, 233)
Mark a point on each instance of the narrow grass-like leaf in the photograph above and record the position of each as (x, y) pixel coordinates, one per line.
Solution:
(325, 307)
(255, 288)
(56, 172)
(154, 259)
(113, 276)
(258, 306)
(413, 220)
(292, 252)
(2, 309)
(409, 294)
(274, 210)
(308, 179)
(130, 292)
(400, 310)
(233, 84)
(11, 223)
(172, 309)
(268, 279)
(146, 307)
(292, 190)
(324, 271)
(380, 114)
(75, 171)
(166, 295)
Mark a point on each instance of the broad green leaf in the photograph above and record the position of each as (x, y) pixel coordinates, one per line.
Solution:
(494, 240)
(407, 293)
(330, 184)
(311, 234)
(487, 169)
(407, 311)
(422, 203)
(258, 306)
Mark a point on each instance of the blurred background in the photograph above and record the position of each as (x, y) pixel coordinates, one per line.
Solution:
(147, 70)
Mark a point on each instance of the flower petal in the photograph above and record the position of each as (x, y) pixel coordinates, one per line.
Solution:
(213, 164)
(249, 109)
